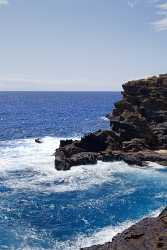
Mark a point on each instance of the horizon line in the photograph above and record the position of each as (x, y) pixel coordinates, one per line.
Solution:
(60, 91)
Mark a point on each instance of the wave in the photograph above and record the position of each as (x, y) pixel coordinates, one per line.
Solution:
(28, 166)
(36, 162)
(99, 237)
(104, 118)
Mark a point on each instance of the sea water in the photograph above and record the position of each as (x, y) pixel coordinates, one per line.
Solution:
(41, 208)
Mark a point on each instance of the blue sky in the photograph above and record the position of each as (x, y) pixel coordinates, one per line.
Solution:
(80, 44)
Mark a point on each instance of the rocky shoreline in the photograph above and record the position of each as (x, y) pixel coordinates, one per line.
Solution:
(138, 132)
(149, 233)
(137, 135)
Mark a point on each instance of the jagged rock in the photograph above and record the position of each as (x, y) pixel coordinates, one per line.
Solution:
(83, 158)
(99, 141)
(64, 143)
(139, 158)
(138, 123)
(61, 161)
(134, 145)
(38, 140)
(148, 234)
(73, 153)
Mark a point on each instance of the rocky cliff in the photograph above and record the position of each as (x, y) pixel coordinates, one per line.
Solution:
(142, 113)
(150, 234)
(138, 129)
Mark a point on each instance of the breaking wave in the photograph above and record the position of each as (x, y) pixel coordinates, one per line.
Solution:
(43, 208)
(36, 162)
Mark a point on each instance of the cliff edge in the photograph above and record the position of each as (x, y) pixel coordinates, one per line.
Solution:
(138, 130)
(150, 234)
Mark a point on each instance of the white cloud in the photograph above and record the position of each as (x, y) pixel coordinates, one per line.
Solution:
(161, 24)
(3, 3)
(163, 6)
(132, 3)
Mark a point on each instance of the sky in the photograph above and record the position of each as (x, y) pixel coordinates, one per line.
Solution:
(80, 45)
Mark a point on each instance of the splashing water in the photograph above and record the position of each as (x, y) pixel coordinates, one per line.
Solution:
(42, 208)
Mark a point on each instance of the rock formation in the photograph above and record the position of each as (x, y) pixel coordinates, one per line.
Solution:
(138, 129)
(150, 234)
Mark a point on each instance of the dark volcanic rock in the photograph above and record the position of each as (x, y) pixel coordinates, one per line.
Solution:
(134, 145)
(138, 123)
(61, 161)
(38, 140)
(83, 158)
(148, 234)
(64, 162)
(86, 151)
(100, 141)
(139, 158)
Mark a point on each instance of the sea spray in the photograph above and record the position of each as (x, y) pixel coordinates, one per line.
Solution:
(43, 208)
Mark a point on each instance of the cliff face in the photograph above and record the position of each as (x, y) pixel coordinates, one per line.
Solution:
(142, 113)
(150, 234)
(138, 129)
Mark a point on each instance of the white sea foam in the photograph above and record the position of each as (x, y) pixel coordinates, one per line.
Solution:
(156, 165)
(38, 161)
(101, 236)
(104, 118)
(27, 155)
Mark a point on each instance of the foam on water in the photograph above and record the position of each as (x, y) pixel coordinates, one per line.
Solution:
(104, 118)
(106, 234)
(88, 193)
(38, 162)
(26, 155)
(99, 237)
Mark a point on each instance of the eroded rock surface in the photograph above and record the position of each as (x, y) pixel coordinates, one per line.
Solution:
(138, 129)
(148, 234)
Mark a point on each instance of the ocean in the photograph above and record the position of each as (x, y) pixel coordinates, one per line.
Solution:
(41, 208)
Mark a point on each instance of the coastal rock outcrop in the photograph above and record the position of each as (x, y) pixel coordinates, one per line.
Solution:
(138, 129)
(149, 233)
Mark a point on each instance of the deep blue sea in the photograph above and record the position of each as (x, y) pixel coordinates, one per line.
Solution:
(41, 208)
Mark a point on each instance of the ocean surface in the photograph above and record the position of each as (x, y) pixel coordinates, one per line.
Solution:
(41, 208)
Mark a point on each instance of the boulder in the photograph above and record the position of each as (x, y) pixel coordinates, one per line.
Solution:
(63, 162)
(38, 140)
